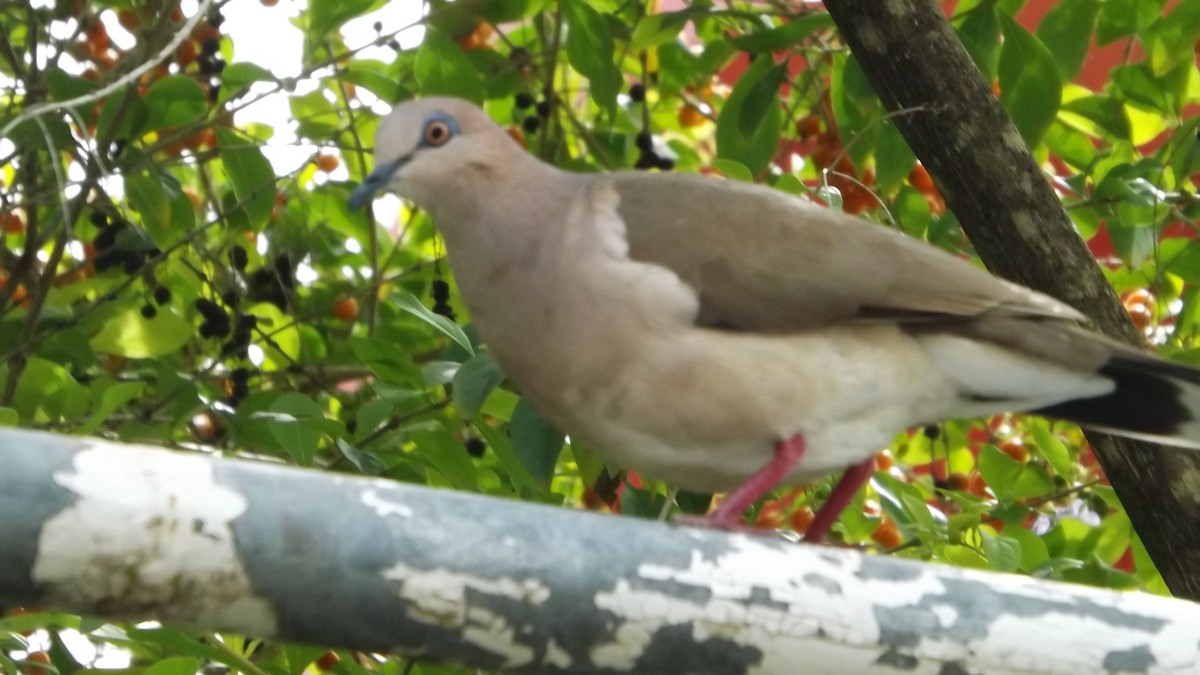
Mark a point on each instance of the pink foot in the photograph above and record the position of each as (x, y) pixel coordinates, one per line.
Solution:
(727, 517)
(848, 486)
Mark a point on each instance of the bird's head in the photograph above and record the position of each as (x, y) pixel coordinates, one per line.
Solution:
(421, 146)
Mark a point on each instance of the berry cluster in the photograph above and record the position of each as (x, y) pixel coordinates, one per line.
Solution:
(118, 244)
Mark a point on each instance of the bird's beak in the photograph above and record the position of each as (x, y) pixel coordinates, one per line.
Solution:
(373, 183)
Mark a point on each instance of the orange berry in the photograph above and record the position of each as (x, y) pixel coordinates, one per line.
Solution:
(1016, 449)
(346, 309)
(958, 481)
(690, 116)
(1141, 315)
(35, 664)
(128, 19)
(937, 203)
(884, 461)
(1138, 296)
(269, 3)
(13, 223)
(185, 54)
(808, 126)
(176, 14)
(886, 535)
(326, 163)
(205, 31)
(478, 37)
(802, 518)
(192, 197)
(828, 147)
(97, 36)
(327, 660)
(920, 179)
(770, 517)
(206, 427)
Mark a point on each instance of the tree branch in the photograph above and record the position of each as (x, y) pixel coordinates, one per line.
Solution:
(1019, 227)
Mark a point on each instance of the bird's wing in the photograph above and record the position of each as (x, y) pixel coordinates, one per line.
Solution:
(762, 260)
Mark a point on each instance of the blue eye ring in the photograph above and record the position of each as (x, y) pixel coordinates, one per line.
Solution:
(438, 130)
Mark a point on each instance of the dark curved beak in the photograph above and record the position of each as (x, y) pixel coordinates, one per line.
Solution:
(374, 182)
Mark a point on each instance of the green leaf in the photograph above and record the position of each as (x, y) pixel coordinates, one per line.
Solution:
(1033, 549)
(133, 336)
(963, 556)
(894, 160)
(375, 77)
(1107, 112)
(9, 417)
(1162, 93)
(174, 665)
(1030, 85)
(590, 51)
(111, 399)
(502, 447)
(251, 176)
(738, 137)
(1067, 31)
(1122, 18)
(980, 34)
(46, 390)
(409, 303)
(658, 29)
(1170, 40)
(122, 117)
(1113, 537)
(282, 350)
(733, 170)
(388, 362)
(292, 426)
(911, 211)
(999, 470)
(326, 16)
(474, 381)
(1052, 449)
(1003, 553)
(783, 36)
(442, 68)
(536, 442)
(147, 197)
(446, 455)
(174, 101)
(236, 77)
(856, 107)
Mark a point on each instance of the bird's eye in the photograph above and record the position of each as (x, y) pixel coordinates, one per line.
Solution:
(437, 132)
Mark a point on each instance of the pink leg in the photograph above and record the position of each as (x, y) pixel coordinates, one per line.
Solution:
(849, 485)
(787, 455)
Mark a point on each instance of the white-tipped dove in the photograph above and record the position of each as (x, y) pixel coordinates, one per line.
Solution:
(720, 335)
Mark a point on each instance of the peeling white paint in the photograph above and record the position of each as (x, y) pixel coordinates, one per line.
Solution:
(150, 531)
(384, 507)
(440, 597)
(800, 602)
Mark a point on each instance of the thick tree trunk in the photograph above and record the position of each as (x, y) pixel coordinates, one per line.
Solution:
(964, 137)
(122, 531)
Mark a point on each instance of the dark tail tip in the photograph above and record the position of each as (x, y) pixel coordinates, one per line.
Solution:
(1148, 399)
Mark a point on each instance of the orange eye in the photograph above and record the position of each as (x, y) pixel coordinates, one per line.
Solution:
(437, 132)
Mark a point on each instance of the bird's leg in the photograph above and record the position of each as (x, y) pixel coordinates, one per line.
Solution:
(787, 455)
(848, 486)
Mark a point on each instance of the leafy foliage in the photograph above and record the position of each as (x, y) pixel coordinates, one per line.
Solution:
(164, 280)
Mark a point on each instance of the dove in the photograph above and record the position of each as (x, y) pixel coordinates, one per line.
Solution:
(724, 336)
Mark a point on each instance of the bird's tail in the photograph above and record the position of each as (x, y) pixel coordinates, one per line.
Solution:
(1153, 400)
